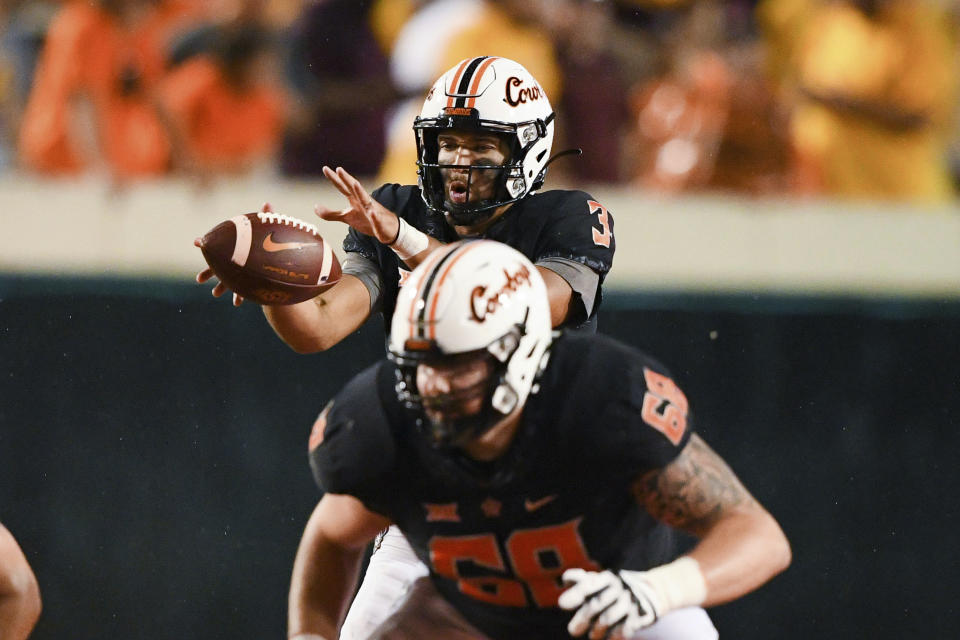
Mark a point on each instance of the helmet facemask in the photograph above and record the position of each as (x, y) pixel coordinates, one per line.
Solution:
(497, 397)
(491, 95)
(508, 183)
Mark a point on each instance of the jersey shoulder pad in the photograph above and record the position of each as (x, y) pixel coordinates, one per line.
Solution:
(632, 413)
(576, 227)
(561, 203)
(352, 446)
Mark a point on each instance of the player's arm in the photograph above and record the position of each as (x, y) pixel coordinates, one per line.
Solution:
(316, 324)
(560, 294)
(369, 217)
(321, 322)
(327, 564)
(741, 545)
(575, 251)
(19, 593)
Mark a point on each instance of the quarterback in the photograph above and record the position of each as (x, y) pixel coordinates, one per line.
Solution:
(522, 489)
(484, 139)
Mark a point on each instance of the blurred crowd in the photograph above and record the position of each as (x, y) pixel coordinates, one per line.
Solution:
(841, 98)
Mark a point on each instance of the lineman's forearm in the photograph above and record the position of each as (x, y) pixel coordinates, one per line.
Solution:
(323, 577)
(19, 612)
(741, 552)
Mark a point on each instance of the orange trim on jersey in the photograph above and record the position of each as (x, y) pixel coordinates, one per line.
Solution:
(476, 80)
(452, 89)
(437, 288)
(316, 433)
(431, 260)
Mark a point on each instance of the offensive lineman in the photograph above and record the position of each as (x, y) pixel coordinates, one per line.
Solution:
(512, 459)
(484, 138)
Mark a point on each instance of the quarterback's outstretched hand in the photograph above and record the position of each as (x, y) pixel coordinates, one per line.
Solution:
(608, 604)
(364, 214)
(219, 289)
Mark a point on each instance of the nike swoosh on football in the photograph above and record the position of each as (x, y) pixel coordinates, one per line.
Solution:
(270, 246)
(533, 505)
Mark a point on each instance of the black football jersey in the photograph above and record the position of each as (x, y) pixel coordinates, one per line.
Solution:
(497, 537)
(552, 224)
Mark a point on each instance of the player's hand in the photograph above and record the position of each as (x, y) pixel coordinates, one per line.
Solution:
(363, 213)
(219, 289)
(608, 604)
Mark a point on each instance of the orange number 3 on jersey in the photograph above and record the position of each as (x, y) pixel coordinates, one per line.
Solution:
(600, 236)
(664, 406)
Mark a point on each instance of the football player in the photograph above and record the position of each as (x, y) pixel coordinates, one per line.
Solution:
(19, 593)
(484, 138)
(524, 467)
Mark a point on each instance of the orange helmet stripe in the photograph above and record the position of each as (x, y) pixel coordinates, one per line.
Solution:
(431, 320)
(452, 89)
(432, 260)
(476, 81)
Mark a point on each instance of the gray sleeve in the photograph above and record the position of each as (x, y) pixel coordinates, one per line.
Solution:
(582, 279)
(369, 274)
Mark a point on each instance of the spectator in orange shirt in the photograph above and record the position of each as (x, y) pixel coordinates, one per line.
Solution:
(224, 114)
(90, 101)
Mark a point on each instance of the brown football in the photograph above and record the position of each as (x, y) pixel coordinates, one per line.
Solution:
(270, 258)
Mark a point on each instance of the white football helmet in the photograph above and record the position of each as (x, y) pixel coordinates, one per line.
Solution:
(493, 95)
(474, 296)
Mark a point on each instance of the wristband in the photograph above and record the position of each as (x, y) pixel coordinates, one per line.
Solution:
(306, 636)
(677, 585)
(409, 241)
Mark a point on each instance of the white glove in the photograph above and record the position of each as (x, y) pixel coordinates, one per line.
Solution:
(618, 604)
(624, 602)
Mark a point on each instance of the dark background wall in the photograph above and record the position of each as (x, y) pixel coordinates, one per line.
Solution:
(153, 452)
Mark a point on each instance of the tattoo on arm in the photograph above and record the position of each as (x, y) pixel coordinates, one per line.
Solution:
(693, 491)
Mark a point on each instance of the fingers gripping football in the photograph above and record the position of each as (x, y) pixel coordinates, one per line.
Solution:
(608, 604)
(206, 274)
(269, 258)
